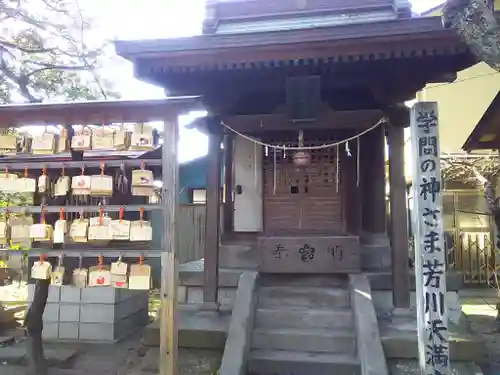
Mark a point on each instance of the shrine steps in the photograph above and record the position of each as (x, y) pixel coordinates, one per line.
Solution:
(278, 362)
(303, 326)
(318, 340)
(281, 296)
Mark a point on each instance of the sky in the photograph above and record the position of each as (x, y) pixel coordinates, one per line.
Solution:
(146, 19)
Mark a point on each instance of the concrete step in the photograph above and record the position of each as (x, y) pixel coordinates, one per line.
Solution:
(280, 362)
(196, 328)
(303, 318)
(310, 297)
(340, 341)
(238, 256)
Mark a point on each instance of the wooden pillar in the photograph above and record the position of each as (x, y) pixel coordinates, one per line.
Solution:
(399, 238)
(211, 258)
(351, 205)
(372, 170)
(169, 277)
(228, 182)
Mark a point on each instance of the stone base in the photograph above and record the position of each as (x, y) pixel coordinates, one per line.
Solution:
(382, 300)
(375, 252)
(399, 338)
(101, 314)
(308, 254)
(411, 367)
(402, 312)
(196, 329)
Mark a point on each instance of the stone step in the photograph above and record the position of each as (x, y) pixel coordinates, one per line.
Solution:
(238, 256)
(338, 281)
(311, 297)
(303, 318)
(338, 341)
(280, 362)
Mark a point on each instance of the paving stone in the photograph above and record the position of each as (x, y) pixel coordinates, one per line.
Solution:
(6, 340)
(55, 356)
(150, 361)
(21, 370)
(409, 367)
(12, 355)
(59, 356)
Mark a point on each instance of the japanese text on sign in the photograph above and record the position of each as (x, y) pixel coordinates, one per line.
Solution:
(430, 265)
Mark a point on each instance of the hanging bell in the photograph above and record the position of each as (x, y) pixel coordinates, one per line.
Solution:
(301, 158)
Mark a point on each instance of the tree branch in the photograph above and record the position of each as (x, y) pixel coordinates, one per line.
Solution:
(21, 81)
(84, 47)
(55, 67)
(53, 8)
(11, 45)
(470, 170)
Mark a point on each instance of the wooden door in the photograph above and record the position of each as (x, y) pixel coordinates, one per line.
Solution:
(302, 199)
(248, 178)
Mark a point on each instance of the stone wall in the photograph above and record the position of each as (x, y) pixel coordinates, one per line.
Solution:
(101, 314)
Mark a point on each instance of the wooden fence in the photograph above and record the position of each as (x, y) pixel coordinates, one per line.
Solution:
(192, 232)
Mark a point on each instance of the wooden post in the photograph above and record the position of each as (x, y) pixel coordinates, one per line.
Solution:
(211, 259)
(351, 205)
(228, 182)
(399, 243)
(430, 255)
(372, 161)
(170, 193)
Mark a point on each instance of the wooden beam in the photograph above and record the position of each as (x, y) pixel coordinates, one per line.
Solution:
(170, 200)
(95, 112)
(228, 182)
(399, 243)
(211, 259)
(328, 119)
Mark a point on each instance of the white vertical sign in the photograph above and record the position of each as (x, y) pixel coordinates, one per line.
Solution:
(430, 252)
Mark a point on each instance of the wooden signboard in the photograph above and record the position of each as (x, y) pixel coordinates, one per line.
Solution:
(309, 254)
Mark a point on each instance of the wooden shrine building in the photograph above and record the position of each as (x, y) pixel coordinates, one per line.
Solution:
(306, 73)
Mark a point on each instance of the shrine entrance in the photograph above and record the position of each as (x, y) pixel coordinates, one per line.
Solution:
(303, 199)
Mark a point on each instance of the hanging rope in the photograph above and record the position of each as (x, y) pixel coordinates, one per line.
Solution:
(337, 168)
(274, 172)
(358, 157)
(306, 148)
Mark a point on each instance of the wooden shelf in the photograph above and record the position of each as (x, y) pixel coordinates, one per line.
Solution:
(85, 209)
(16, 163)
(86, 253)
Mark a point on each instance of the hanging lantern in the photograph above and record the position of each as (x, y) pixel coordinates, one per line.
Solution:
(301, 158)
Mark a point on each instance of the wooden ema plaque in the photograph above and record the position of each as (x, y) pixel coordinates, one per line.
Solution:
(309, 254)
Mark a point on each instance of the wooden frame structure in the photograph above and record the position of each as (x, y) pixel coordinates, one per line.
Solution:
(361, 71)
(67, 114)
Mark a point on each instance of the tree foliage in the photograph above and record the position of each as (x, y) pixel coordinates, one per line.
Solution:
(46, 52)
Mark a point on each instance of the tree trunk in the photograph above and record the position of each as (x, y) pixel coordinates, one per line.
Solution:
(33, 322)
(475, 22)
